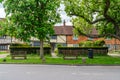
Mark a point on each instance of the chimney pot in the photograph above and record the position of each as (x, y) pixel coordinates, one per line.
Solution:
(64, 23)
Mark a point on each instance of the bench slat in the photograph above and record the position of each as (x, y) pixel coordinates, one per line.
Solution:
(19, 54)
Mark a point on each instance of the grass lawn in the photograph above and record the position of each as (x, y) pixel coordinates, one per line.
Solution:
(34, 59)
(3, 52)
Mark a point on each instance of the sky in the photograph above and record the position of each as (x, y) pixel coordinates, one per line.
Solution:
(2, 12)
(63, 14)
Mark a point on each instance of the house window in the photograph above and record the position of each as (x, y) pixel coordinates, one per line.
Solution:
(64, 44)
(108, 38)
(3, 37)
(36, 43)
(53, 37)
(75, 37)
(3, 47)
(75, 45)
(90, 38)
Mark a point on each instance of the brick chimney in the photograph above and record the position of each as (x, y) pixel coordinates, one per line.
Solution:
(64, 23)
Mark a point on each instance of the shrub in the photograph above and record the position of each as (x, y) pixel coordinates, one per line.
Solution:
(99, 43)
(92, 43)
(86, 43)
(19, 44)
(46, 45)
(99, 51)
(59, 45)
(29, 49)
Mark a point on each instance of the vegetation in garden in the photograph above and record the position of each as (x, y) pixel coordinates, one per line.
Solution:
(3, 52)
(34, 59)
(92, 43)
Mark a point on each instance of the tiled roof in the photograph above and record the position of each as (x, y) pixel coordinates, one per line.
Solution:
(68, 30)
(63, 30)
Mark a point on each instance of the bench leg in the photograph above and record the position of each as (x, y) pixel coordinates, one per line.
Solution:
(13, 57)
(25, 57)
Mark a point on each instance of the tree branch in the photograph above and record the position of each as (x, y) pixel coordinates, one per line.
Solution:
(90, 22)
(110, 19)
(107, 6)
(86, 19)
(100, 35)
(109, 34)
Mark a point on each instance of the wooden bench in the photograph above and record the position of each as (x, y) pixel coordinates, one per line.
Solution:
(68, 55)
(19, 54)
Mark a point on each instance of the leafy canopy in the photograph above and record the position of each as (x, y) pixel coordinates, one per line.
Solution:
(103, 14)
(31, 18)
(1, 0)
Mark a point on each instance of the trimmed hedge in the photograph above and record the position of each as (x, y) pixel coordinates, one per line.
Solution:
(19, 44)
(29, 49)
(100, 51)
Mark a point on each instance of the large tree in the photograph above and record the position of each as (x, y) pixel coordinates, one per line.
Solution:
(31, 18)
(103, 14)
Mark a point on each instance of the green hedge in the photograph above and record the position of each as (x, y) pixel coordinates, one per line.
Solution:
(19, 44)
(29, 49)
(83, 50)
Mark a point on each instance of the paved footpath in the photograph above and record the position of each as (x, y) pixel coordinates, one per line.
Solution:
(114, 55)
(58, 72)
(3, 55)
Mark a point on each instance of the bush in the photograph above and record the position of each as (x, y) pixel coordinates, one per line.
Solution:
(59, 45)
(46, 45)
(86, 43)
(29, 49)
(19, 44)
(99, 43)
(92, 43)
(99, 51)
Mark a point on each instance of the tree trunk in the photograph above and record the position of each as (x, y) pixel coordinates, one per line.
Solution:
(42, 51)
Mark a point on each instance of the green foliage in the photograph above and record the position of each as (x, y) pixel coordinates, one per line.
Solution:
(34, 59)
(59, 45)
(31, 18)
(46, 45)
(99, 43)
(19, 44)
(29, 49)
(1, 0)
(87, 47)
(56, 50)
(102, 14)
(81, 27)
(92, 43)
(86, 44)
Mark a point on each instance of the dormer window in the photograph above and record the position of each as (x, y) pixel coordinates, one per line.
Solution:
(90, 38)
(3, 37)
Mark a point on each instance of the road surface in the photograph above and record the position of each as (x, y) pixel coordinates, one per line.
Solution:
(58, 72)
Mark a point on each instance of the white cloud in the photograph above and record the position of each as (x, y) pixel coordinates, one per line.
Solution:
(1, 6)
(64, 16)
